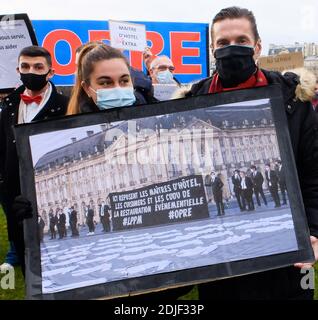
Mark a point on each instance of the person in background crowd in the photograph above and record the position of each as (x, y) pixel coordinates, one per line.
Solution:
(236, 45)
(247, 192)
(281, 179)
(36, 99)
(41, 226)
(272, 182)
(258, 180)
(103, 81)
(61, 224)
(53, 224)
(104, 216)
(161, 71)
(73, 222)
(90, 220)
(217, 186)
(207, 183)
(236, 180)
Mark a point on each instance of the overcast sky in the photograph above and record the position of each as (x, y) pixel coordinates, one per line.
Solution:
(279, 22)
(46, 142)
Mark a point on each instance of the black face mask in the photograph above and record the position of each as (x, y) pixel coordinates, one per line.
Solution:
(34, 82)
(234, 64)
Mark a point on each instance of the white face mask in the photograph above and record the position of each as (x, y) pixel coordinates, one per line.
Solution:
(165, 77)
(115, 97)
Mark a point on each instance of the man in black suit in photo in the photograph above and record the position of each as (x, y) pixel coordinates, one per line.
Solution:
(73, 222)
(217, 186)
(272, 181)
(247, 192)
(90, 220)
(236, 180)
(104, 216)
(41, 226)
(258, 180)
(281, 179)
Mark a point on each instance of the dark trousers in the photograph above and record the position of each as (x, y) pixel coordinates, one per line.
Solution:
(61, 230)
(90, 224)
(275, 195)
(74, 229)
(238, 197)
(218, 198)
(283, 191)
(18, 241)
(247, 197)
(105, 223)
(53, 232)
(258, 191)
(16, 235)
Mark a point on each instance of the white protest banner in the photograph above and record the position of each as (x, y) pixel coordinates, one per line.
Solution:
(127, 36)
(16, 33)
(164, 92)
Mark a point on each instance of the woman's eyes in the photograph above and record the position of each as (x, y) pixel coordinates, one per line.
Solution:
(122, 82)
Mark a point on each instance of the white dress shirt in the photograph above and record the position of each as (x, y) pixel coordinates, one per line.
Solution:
(27, 112)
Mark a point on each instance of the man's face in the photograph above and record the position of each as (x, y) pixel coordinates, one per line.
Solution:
(37, 65)
(235, 32)
(161, 64)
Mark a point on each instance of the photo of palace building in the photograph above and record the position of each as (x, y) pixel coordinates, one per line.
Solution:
(220, 139)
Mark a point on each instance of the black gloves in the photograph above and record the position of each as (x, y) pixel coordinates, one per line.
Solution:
(22, 208)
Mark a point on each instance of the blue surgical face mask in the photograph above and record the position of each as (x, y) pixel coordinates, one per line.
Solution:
(165, 77)
(115, 97)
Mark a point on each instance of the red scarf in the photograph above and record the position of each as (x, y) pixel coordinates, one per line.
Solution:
(258, 79)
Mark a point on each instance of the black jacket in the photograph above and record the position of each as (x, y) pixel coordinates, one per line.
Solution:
(249, 185)
(303, 128)
(217, 186)
(272, 179)
(281, 176)
(258, 180)
(236, 183)
(9, 164)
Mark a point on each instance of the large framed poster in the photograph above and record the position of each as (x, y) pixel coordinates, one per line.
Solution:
(16, 33)
(145, 198)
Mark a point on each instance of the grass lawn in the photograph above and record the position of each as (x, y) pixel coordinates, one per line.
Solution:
(18, 292)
